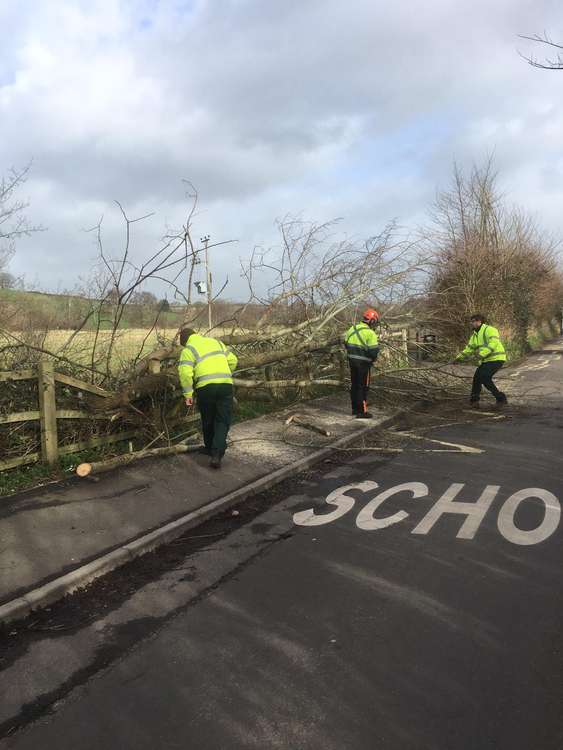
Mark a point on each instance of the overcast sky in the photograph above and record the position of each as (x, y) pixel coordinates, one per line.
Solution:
(325, 108)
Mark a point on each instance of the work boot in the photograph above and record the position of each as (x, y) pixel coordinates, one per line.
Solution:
(215, 462)
(474, 404)
(364, 415)
(502, 400)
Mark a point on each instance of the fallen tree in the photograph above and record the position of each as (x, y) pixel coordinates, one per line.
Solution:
(316, 286)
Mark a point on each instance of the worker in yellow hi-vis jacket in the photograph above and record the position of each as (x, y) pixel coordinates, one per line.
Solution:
(362, 347)
(206, 366)
(484, 344)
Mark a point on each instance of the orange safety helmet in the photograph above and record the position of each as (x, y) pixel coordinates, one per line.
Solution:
(370, 316)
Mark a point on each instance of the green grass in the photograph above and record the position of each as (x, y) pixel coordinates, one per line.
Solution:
(251, 409)
(15, 480)
(67, 311)
(539, 336)
(536, 339)
(35, 475)
(513, 350)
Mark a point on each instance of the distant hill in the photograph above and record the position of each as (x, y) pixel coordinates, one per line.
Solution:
(23, 309)
(61, 311)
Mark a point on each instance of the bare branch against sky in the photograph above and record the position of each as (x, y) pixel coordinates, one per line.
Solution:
(319, 109)
(548, 63)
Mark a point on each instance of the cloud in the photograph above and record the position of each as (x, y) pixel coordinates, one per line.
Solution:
(320, 107)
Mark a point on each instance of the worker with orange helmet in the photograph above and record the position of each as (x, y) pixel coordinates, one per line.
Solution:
(362, 347)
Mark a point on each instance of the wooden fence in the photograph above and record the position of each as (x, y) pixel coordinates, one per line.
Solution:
(48, 415)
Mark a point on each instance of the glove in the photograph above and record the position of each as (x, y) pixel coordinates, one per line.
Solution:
(189, 401)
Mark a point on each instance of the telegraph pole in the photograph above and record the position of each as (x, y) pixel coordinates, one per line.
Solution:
(205, 241)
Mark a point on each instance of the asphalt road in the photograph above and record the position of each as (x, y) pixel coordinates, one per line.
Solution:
(402, 600)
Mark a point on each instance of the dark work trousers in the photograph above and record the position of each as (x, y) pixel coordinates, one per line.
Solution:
(359, 374)
(484, 376)
(215, 403)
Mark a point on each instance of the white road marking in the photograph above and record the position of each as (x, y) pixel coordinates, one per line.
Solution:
(475, 413)
(461, 448)
(338, 497)
(367, 522)
(475, 512)
(378, 449)
(535, 366)
(550, 522)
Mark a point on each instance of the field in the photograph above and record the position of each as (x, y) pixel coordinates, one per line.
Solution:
(28, 314)
(129, 343)
(60, 311)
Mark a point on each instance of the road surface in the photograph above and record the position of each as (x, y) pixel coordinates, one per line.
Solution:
(400, 600)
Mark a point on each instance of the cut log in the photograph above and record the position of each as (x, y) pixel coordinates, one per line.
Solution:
(88, 469)
(301, 422)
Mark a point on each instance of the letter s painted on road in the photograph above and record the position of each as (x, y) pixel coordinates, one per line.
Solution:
(338, 497)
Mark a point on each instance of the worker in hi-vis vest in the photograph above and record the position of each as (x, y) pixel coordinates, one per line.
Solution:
(484, 344)
(362, 347)
(206, 366)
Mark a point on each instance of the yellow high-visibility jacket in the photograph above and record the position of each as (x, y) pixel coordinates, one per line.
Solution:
(485, 344)
(361, 343)
(204, 361)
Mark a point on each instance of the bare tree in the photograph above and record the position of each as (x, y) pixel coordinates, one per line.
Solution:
(7, 280)
(13, 222)
(487, 257)
(554, 63)
(118, 284)
(314, 274)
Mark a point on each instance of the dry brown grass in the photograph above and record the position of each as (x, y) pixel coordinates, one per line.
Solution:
(130, 344)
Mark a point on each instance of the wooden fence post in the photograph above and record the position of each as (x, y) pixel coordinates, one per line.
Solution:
(48, 412)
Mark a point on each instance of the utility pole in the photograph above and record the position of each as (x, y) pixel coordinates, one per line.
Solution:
(205, 241)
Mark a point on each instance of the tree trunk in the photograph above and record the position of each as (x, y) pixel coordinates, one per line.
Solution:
(88, 469)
